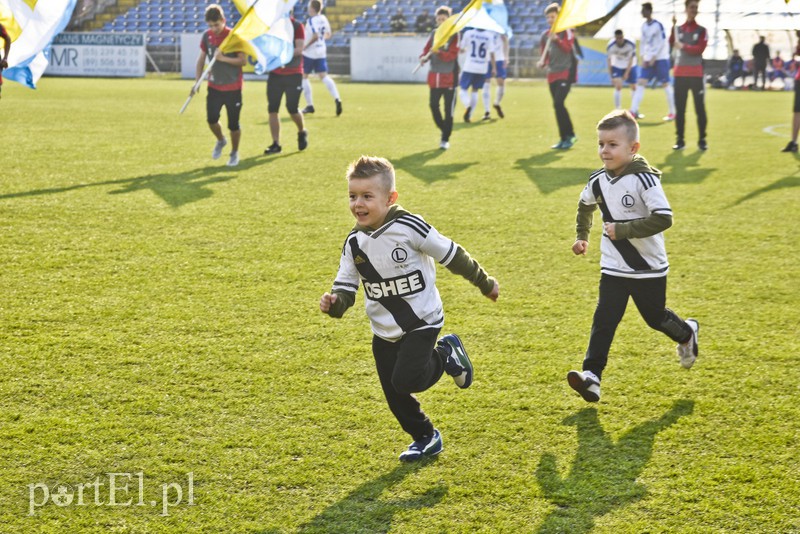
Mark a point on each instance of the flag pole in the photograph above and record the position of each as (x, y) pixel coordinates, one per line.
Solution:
(197, 84)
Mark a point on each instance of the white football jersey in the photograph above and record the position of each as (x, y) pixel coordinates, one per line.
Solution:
(478, 45)
(654, 43)
(317, 25)
(627, 198)
(498, 49)
(396, 266)
(621, 56)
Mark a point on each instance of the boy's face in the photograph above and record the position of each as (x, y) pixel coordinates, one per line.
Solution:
(440, 19)
(311, 10)
(551, 18)
(216, 26)
(691, 10)
(615, 148)
(370, 201)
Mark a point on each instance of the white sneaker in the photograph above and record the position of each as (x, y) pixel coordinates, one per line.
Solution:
(688, 351)
(217, 152)
(234, 160)
(586, 383)
(444, 145)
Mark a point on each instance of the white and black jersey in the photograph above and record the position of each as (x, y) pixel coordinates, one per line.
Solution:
(629, 197)
(396, 265)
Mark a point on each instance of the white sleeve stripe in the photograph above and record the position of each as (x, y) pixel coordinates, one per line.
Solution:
(450, 253)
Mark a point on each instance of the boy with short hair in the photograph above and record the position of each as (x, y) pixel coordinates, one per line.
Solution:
(633, 260)
(392, 253)
(315, 51)
(224, 83)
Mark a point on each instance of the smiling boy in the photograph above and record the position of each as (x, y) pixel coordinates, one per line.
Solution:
(633, 260)
(392, 252)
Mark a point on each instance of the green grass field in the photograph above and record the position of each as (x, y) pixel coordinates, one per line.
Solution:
(159, 319)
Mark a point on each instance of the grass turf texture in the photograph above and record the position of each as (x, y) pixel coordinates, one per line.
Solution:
(159, 316)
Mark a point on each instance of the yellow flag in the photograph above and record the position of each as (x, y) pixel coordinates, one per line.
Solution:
(455, 24)
(575, 13)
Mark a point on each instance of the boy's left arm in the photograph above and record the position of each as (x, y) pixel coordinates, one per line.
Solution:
(458, 261)
(659, 219)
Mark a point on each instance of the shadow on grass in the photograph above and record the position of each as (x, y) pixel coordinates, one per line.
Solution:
(549, 179)
(783, 183)
(363, 510)
(683, 167)
(603, 474)
(176, 189)
(420, 166)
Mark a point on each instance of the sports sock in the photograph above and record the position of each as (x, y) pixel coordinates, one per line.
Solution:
(330, 85)
(670, 99)
(307, 91)
(501, 91)
(464, 95)
(487, 96)
(617, 98)
(473, 100)
(638, 95)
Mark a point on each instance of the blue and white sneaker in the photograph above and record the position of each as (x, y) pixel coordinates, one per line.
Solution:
(688, 351)
(457, 364)
(586, 384)
(427, 446)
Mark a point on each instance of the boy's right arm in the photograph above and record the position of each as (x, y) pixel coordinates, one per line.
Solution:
(345, 285)
(583, 224)
(201, 63)
(336, 303)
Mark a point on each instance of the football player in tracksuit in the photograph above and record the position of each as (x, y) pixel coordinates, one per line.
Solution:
(392, 253)
(633, 260)
(690, 40)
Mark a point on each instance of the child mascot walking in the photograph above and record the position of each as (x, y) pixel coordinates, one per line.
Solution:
(392, 253)
(633, 260)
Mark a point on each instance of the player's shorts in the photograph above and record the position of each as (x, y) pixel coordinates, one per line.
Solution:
(472, 79)
(659, 71)
(315, 65)
(232, 100)
(501, 70)
(279, 84)
(616, 72)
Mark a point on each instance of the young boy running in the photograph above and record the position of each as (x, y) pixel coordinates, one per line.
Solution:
(633, 261)
(315, 52)
(224, 83)
(392, 253)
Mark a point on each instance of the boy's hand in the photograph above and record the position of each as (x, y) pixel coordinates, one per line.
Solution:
(494, 293)
(610, 230)
(580, 247)
(326, 302)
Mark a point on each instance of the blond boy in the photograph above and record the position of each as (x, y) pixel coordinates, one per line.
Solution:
(633, 260)
(391, 252)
